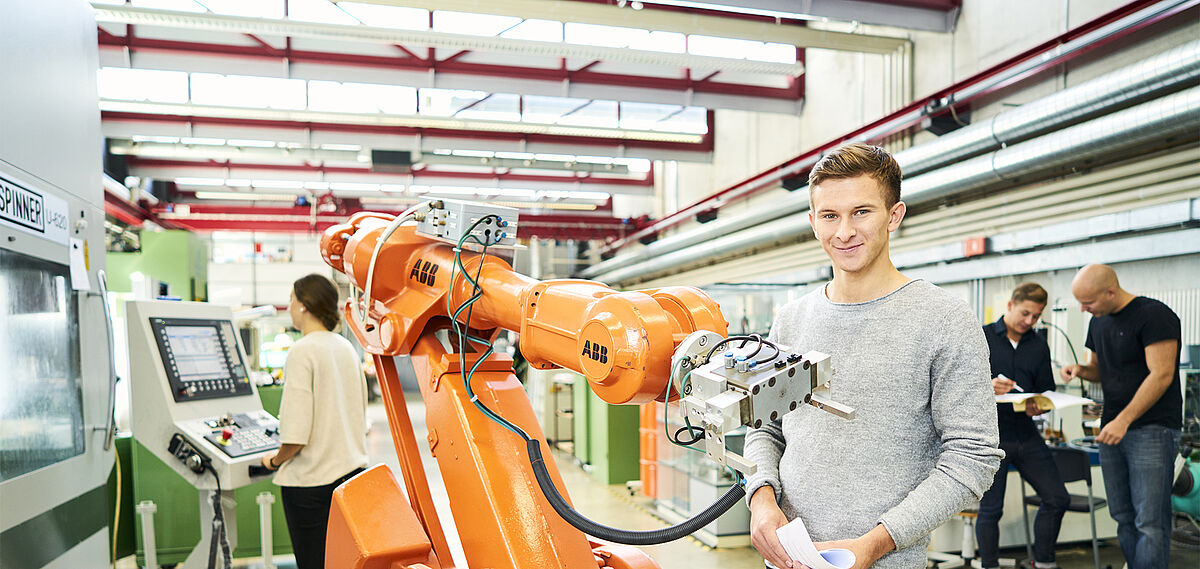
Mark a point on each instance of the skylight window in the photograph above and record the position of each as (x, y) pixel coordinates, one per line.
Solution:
(741, 49)
(176, 5)
(246, 91)
(547, 110)
(670, 42)
(596, 114)
(361, 98)
(645, 116)
(251, 92)
(445, 102)
(472, 24)
(380, 16)
(497, 107)
(536, 30)
(692, 120)
(322, 11)
(142, 85)
(259, 9)
(635, 165)
(604, 36)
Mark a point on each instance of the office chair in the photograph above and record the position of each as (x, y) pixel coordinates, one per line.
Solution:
(1073, 465)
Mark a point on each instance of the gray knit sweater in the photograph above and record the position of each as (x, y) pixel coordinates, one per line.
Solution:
(922, 445)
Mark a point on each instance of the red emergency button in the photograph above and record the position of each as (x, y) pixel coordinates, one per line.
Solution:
(226, 434)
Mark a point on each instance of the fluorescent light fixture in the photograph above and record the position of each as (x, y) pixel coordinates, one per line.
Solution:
(354, 187)
(552, 194)
(515, 155)
(247, 196)
(594, 159)
(544, 205)
(554, 157)
(237, 183)
(200, 181)
(394, 188)
(202, 141)
(159, 139)
(278, 184)
(584, 195)
(471, 153)
(251, 143)
(443, 151)
(316, 185)
(346, 147)
(517, 193)
(452, 190)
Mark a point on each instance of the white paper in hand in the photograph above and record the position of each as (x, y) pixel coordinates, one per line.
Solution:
(799, 546)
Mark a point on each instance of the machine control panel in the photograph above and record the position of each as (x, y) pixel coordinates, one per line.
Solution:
(198, 410)
(244, 433)
(201, 358)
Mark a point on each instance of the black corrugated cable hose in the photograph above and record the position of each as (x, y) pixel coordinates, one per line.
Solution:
(628, 537)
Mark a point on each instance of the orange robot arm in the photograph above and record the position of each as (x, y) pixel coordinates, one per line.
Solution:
(504, 511)
(621, 342)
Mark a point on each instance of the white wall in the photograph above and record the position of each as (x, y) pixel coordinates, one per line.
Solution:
(238, 277)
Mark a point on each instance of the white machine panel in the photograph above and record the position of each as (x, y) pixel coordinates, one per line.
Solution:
(194, 404)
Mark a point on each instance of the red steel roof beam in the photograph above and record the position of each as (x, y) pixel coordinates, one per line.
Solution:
(450, 65)
(705, 144)
(135, 161)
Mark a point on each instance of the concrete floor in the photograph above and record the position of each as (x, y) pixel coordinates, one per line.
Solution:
(613, 505)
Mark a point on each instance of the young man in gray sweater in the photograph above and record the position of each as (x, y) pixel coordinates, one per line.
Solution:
(910, 357)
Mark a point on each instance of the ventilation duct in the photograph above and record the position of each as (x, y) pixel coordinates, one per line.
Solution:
(1136, 128)
(1162, 73)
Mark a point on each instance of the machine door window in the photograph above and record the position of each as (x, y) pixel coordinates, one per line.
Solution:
(41, 402)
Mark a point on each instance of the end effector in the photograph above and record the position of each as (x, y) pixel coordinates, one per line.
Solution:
(736, 381)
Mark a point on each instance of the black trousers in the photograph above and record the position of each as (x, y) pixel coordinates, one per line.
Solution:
(306, 509)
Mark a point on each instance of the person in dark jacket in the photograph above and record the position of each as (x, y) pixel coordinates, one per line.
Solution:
(1020, 361)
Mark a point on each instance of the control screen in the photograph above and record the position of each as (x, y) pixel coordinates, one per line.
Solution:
(201, 358)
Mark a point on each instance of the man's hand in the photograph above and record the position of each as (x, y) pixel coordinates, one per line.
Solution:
(1032, 409)
(1113, 432)
(765, 518)
(266, 462)
(1069, 372)
(1002, 385)
(867, 549)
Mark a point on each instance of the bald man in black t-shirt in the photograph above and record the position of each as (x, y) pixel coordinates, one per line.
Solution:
(1134, 343)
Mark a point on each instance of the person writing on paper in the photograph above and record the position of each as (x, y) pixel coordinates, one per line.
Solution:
(322, 418)
(908, 356)
(1020, 361)
(1134, 344)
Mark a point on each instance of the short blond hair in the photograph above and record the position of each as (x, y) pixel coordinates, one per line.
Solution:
(858, 159)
